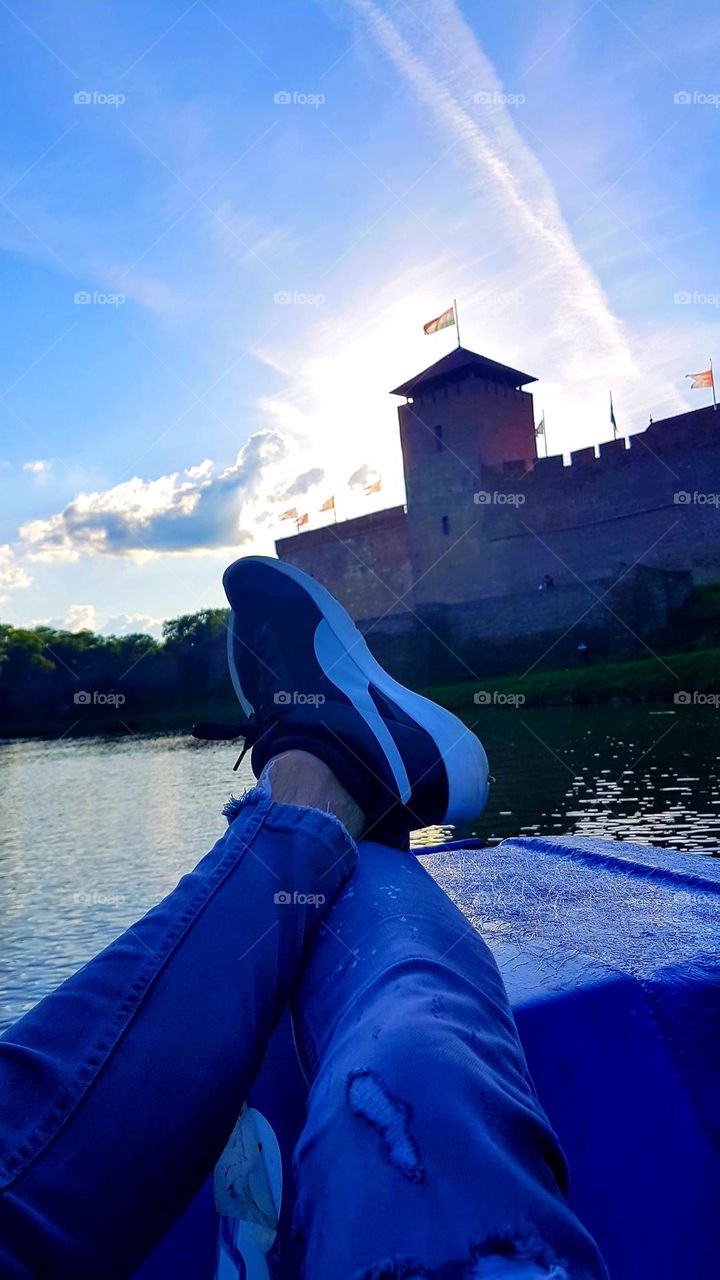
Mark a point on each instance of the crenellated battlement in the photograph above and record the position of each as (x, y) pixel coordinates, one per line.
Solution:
(684, 435)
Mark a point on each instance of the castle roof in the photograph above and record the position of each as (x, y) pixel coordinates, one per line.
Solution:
(462, 363)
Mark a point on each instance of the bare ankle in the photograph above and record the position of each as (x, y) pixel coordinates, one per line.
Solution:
(299, 778)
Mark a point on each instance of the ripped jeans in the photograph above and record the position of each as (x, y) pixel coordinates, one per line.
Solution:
(425, 1152)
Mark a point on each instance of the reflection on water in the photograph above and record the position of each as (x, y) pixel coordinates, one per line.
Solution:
(632, 773)
(94, 831)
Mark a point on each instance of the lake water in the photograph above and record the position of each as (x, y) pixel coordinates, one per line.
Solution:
(96, 830)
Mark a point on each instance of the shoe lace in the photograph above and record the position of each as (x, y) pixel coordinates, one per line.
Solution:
(251, 730)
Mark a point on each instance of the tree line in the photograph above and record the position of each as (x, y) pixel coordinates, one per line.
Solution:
(49, 678)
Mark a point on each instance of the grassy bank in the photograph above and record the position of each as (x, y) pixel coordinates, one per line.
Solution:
(651, 679)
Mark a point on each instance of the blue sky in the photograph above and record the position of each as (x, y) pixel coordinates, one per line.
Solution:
(530, 159)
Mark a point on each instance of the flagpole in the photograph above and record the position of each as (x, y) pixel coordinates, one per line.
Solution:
(612, 419)
(541, 430)
(457, 322)
(712, 382)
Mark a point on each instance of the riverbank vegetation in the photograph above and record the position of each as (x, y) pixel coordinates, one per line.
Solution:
(59, 682)
(681, 678)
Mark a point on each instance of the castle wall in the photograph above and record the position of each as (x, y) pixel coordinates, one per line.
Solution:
(622, 536)
(364, 562)
(503, 531)
(438, 643)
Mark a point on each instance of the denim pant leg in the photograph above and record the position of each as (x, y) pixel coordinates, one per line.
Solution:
(425, 1150)
(119, 1090)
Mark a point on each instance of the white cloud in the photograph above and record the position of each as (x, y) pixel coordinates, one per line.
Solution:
(125, 624)
(200, 509)
(79, 617)
(39, 467)
(12, 576)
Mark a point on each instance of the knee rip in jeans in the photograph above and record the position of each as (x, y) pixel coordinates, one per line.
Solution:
(390, 1117)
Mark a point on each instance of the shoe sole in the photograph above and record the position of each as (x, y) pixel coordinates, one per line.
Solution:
(464, 756)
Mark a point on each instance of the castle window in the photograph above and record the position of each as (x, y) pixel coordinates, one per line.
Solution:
(438, 437)
(445, 525)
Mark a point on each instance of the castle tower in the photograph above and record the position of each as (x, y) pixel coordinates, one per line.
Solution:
(462, 418)
(467, 407)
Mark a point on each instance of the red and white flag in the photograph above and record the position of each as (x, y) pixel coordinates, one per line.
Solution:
(328, 505)
(290, 515)
(703, 379)
(440, 322)
(303, 519)
(375, 487)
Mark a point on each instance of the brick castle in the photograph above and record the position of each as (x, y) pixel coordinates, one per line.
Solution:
(502, 558)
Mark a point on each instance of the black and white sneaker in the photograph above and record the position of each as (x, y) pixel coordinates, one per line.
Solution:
(306, 680)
